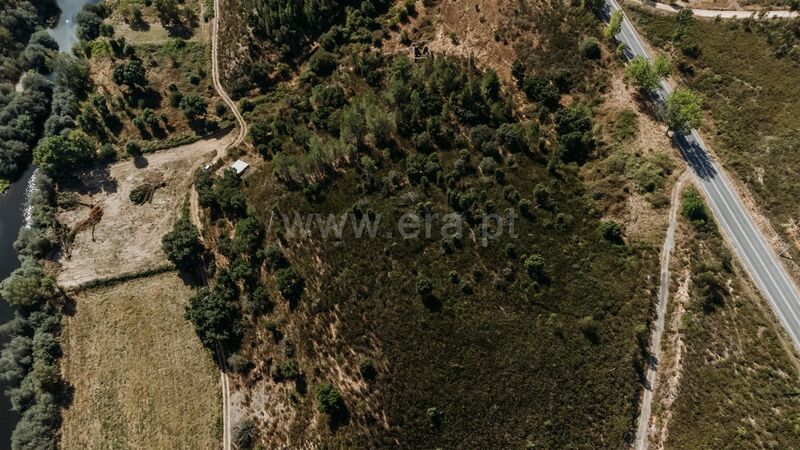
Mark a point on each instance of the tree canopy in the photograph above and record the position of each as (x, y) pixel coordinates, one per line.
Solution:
(683, 110)
(59, 155)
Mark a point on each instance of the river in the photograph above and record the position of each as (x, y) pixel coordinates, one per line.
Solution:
(14, 203)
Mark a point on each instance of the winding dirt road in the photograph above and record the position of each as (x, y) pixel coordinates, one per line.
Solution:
(226, 395)
(218, 85)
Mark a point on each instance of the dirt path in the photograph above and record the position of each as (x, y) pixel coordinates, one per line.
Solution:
(226, 407)
(725, 14)
(218, 85)
(661, 309)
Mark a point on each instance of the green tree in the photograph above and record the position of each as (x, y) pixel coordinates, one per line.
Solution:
(182, 245)
(245, 435)
(614, 25)
(590, 48)
(329, 399)
(215, 316)
(647, 75)
(61, 154)
(131, 74)
(322, 62)
(534, 264)
(491, 85)
(683, 110)
(692, 206)
(611, 231)
(194, 107)
(167, 10)
(518, 71)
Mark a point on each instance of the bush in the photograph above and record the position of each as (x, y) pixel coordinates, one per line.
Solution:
(611, 231)
(245, 435)
(590, 48)
(329, 399)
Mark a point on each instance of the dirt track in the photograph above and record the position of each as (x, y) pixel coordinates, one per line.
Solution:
(127, 238)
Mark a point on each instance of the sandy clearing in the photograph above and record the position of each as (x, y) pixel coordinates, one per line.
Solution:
(128, 237)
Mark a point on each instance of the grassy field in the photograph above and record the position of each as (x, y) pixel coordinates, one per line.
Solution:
(738, 382)
(141, 378)
(752, 101)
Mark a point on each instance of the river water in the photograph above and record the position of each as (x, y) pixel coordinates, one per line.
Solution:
(14, 203)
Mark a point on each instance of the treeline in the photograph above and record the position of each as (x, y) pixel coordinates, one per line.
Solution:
(235, 289)
(29, 361)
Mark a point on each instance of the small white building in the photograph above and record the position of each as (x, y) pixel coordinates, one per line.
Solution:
(239, 166)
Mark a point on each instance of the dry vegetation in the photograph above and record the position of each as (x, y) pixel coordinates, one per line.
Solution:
(127, 239)
(730, 372)
(141, 378)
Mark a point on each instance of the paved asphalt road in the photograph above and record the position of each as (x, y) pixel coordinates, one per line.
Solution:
(751, 246)
(758, 258)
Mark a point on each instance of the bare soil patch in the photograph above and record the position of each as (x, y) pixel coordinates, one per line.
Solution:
(127, 239)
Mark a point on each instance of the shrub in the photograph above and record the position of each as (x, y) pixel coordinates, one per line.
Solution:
(329, 399)
(590, 48)
(611, 231)
(367, 369)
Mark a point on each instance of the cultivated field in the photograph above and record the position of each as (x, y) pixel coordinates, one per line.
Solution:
(141, 378)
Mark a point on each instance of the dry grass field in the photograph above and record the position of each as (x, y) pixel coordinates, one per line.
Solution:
(141, 378)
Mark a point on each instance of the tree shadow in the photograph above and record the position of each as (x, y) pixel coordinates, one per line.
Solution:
(339, 418)
(93, 181)
(432, 302)
(140, 162)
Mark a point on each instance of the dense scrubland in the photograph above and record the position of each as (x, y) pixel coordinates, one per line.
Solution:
(436, 341)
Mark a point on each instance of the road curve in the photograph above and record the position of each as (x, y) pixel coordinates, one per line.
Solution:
(750, 245)
(724, 14)
(218, 85)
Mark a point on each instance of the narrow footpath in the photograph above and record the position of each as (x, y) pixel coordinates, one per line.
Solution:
(661, 310)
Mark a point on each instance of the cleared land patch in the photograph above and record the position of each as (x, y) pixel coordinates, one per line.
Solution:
(141, 377)
(127, 238)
